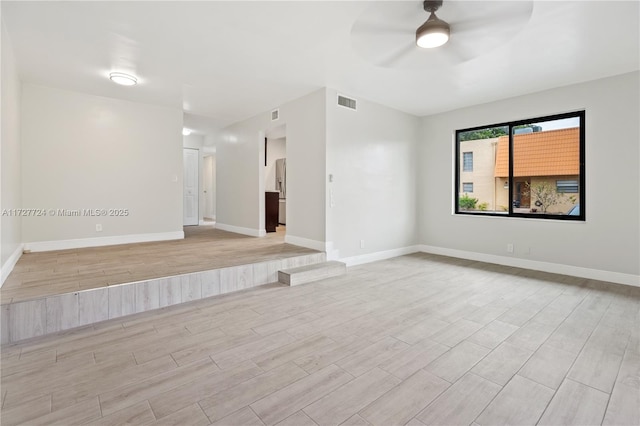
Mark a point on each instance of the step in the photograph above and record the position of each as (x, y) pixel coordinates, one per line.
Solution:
(309, 273)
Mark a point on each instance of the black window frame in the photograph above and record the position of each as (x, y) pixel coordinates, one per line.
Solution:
(510, 125)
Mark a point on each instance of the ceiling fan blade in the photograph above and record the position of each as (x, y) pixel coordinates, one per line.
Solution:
(502, 14)
(468, 26)
(392, 59)
(385, 17)
(455, 53)
(378, 28)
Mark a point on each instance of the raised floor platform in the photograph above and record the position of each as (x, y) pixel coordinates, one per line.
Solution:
(203, 248)
(56, 291)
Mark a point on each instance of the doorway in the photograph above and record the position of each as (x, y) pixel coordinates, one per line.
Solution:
(275, 179)
(521, 195)
(191, 200)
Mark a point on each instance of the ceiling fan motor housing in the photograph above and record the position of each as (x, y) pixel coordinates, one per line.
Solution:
(434, 32)
(432, 5)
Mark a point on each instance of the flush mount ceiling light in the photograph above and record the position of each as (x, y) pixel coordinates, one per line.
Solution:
(186, 132)
(123, 79)
(434, 32)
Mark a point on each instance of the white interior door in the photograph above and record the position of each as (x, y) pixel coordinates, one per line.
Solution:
(190, 192)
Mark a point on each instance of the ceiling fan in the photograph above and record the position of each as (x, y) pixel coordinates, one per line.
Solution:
(390, 33)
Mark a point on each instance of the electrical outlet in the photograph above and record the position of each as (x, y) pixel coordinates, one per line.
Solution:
(361, 243)
(98, 227)
(510, 248)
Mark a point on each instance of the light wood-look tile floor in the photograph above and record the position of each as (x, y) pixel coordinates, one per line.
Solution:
(415, 340)
(204, 247)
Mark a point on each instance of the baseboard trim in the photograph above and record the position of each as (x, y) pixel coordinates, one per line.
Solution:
(102, 241)
(555, 268)
(305, 242)
(10, 263)
(332, 254)
(379, 255)
(240, 230)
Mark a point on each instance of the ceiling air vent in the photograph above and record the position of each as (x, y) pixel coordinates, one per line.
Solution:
(347, 102)
(275, 114)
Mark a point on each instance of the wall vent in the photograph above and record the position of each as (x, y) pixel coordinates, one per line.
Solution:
(275, 114)
(346, 102)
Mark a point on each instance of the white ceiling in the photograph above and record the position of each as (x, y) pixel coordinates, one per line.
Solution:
(225, 61)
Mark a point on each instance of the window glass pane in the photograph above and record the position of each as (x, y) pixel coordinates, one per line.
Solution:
(546, 166)
(480, 167)
(467, 161)
(567, 186)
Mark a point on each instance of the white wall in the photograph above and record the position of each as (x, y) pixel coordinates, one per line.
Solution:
(10, 153)
(87, 152)
(371, 153)
(240, 171)
(209, 183)
(238, 153)
(306, 168)
(277, 148)
(608, 241)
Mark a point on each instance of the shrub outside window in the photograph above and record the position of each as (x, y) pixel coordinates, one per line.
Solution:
(527, 168)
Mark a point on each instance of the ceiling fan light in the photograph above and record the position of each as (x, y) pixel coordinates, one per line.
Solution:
(433, 33)
(123, 79)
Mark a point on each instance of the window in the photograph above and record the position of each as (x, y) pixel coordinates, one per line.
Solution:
(467, 162)
(567, 186)
(527, 168)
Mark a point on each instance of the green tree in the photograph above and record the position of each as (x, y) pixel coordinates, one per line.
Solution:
(535, 127)
(484, 134)
(493, 132)
(545, 195)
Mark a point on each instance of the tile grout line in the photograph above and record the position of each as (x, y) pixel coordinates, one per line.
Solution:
(555, 392)
(626, 346)
(516, 373)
